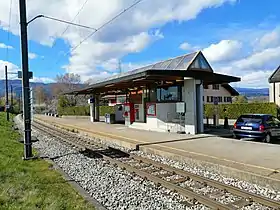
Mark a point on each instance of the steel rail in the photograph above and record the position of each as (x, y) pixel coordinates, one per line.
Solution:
(234, 190)
(187, 192)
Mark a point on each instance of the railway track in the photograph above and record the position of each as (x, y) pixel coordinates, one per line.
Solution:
(186, 184)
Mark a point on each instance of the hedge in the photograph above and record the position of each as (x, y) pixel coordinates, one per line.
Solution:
(83, 110)
(233, 111)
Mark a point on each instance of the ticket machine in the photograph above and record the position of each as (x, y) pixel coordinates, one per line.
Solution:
(129, 114)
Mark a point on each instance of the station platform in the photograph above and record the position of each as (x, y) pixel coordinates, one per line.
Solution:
(250, 161)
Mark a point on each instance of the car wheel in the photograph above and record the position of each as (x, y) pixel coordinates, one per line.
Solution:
(236, 137)
(267, 138)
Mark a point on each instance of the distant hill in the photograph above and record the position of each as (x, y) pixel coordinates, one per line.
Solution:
(17, 86)
(249, 92)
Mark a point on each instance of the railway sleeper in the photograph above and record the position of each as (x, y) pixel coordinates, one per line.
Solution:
(243, 202)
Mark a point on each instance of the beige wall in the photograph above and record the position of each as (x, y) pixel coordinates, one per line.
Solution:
(277, 93)
(221, 92)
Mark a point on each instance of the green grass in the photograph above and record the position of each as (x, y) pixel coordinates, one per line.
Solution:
(31, 184)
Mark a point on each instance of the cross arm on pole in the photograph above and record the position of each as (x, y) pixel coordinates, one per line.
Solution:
(59, 20)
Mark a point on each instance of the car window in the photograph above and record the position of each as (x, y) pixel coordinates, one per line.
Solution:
(250, 119)
(270, 120)
(273, 121)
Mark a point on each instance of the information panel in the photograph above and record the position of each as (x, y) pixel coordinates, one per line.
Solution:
(151, 109)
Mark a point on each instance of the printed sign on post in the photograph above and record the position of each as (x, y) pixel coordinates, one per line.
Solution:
(151, 109)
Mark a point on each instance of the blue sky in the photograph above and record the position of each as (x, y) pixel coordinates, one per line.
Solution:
(240, 38)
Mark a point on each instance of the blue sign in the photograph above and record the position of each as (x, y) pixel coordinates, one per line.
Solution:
(91, 100)
(216, 100)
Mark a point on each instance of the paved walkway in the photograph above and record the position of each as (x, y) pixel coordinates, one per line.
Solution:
(253, 157)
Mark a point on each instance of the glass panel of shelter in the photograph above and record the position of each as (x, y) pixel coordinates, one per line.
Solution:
(174, 63)
(165, 64)
(169, 94)
(200, 63)
(185, 62)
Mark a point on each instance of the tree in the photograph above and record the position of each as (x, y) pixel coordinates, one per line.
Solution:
(69, 80)
(40, 95)
(240, 99)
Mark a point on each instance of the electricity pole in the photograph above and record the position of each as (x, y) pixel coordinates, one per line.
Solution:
(25, 81)
(7, 94)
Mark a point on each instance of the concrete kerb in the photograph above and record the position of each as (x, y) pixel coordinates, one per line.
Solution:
(226, 170)
(216, 165)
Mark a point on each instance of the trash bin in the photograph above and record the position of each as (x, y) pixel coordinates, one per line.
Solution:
(109, 118)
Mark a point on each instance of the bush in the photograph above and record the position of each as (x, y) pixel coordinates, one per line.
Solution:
(233, 111)
(83, 110)
(106, 109)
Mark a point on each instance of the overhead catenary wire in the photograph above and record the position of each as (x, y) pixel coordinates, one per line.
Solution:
(78, 13)
(101, 27)
(8, 31)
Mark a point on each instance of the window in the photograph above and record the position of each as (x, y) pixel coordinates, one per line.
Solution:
(250, 119)
(203, 98)
(208, 99)
(220, 99)
(173, 93)
(215, 87)
(212, 99)
(272, 121)
(227, 99)
(205, 86)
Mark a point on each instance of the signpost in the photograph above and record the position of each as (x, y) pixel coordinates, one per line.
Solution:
(30, 74)
(216, 117)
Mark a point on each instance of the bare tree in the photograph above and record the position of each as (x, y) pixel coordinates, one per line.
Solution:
(40, 95)
(64, 83)
(69, 80)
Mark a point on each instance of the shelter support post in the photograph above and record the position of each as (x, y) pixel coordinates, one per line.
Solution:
(97, 108)
(193, 97)
(199, 106)
(92, 108)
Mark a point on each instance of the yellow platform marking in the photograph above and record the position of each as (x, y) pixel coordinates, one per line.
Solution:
(167, 147)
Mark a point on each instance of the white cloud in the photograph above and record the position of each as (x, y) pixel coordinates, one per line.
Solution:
(12, 68)
(225, 50)
(2, 45)
(254, 69)
(42, 80)
(128, 34)
(32, 55)
(185, 46)
(260, 60)
(257, 77)
(270, 39)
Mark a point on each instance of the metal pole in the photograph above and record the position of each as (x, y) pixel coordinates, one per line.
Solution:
(7, 94)
(12, 100)
(19, 102)
(25, 81)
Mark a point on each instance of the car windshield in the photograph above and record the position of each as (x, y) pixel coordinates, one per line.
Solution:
(250, 118)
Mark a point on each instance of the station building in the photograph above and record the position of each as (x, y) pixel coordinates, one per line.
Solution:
(165, 96)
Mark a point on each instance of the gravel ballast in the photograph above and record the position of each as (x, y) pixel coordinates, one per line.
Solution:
(117, 189)
(113, 187)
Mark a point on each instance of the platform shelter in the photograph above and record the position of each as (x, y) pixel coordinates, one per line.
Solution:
(165, 96)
